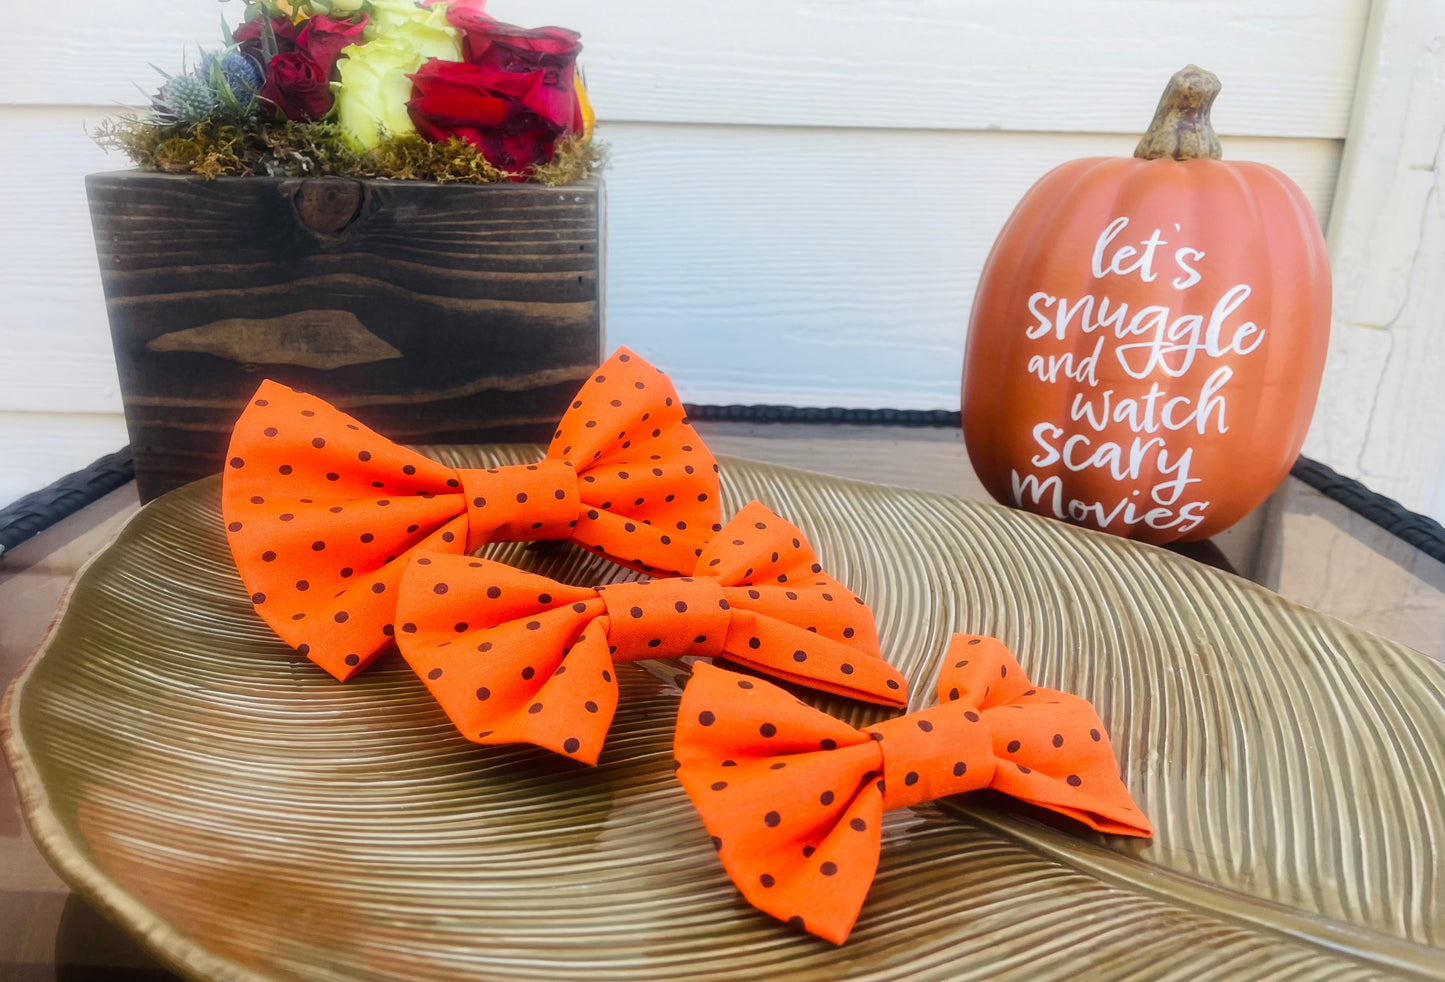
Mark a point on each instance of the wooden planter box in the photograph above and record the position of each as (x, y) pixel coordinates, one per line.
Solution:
(433, 313)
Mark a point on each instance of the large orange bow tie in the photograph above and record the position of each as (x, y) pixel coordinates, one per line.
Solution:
(517, 658)
(323, 512)
(794, 798)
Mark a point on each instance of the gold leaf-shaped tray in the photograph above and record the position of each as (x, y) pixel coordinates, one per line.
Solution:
(249, 818)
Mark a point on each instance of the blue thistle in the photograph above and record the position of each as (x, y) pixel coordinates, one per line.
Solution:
(239, 71)
(185, 99)
(225, 82)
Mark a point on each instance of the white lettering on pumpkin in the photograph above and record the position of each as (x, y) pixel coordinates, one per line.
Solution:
(1155, 343)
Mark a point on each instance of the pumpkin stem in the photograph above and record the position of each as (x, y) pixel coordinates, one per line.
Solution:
(1181, 129)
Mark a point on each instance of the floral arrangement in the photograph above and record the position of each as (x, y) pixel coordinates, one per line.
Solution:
(407, 89)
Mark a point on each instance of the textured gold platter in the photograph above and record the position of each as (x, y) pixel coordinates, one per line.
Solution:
(250, 819)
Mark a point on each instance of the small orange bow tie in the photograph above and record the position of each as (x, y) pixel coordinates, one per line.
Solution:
(322, 512)
(794, 798)
(517, 658)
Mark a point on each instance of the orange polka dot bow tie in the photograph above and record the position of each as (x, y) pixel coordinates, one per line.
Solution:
(517, 658)
(322, 512)
(794, 798)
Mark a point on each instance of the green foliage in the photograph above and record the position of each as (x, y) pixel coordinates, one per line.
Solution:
(218, 146)
(308, 8)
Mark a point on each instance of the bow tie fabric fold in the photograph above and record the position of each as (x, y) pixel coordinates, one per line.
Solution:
(514, 657)
(322, 512)
(794, 798)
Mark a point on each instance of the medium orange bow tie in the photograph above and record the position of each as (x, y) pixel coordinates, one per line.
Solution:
(794, 799)
(322, 512)
(517, 658)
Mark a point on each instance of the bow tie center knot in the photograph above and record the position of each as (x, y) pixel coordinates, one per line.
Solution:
(934, 753)
(520, 502)
(667, 618)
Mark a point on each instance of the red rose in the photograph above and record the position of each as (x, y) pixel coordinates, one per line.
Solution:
(490, 44)
(248, 36)
(298, 86)
(511, 48)
(515, 96)
(324, 36)
(513, 118)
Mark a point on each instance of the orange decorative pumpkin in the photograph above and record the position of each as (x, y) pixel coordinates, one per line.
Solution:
(1148, 335)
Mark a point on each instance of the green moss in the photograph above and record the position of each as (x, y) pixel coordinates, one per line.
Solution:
(575, 158)
(216, 148)
(412, 158)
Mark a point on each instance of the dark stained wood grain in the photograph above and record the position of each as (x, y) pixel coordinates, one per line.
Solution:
(433, 313)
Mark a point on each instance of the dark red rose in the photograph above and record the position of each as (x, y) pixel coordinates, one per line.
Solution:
(298, 86)
(513, 118)
(515, 96)
(248, 36)
(324, 36)
(509, 48)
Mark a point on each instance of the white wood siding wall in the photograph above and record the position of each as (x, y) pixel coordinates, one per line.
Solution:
(801, 195)
(1381, 416)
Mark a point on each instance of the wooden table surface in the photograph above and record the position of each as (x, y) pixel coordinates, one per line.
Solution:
(1301, 544)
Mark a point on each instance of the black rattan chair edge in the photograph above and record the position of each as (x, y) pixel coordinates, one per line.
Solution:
(834, 414)
(1420, 531)
(37, 511)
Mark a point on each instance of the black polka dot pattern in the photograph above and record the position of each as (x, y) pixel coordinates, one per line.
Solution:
(680, 617)
(528, 665)
(812, 636)
(813, 832)
(328, 474)
(685, 616)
